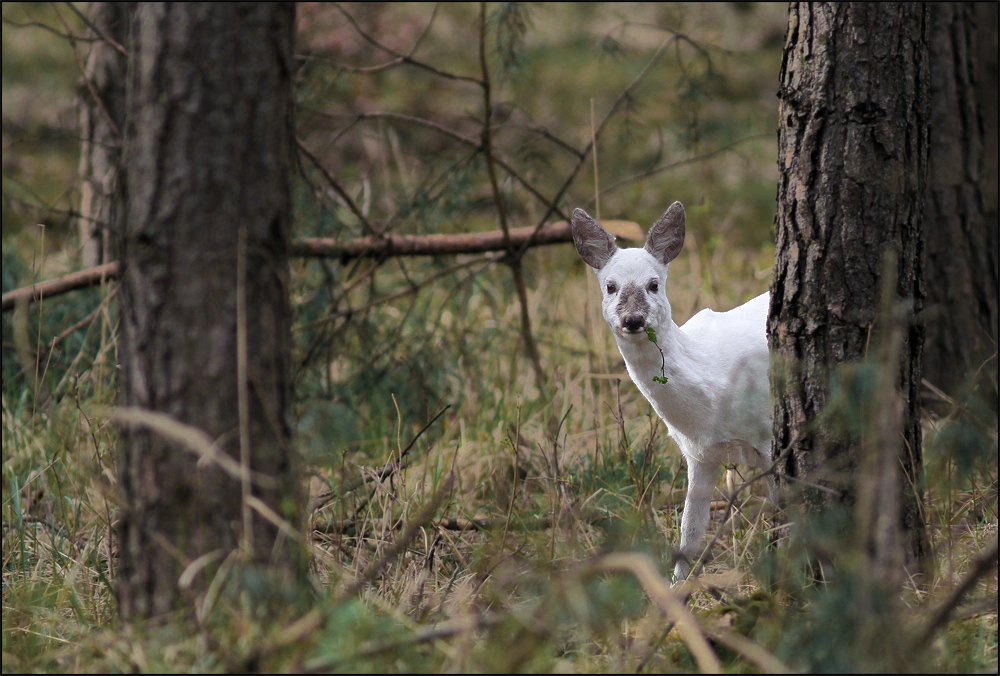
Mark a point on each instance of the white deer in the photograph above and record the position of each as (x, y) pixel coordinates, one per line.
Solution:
(707, 379)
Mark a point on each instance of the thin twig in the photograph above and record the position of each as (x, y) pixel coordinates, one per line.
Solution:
(50, 29)
(403, 58)
(399, 294)
(465, 140)
(730, 504)
(540, 131)
(98, 101)
(101, 34)
(479, 523)
(387, 470)
(336, 187)
(597, 134)
(75, 327)
(982, 563)
(513, 258)
(193, 439)
(680, 163)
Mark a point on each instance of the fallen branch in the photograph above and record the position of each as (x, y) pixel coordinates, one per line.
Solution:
(363, 247)
(54, 287)
(480, 523)
(393, 245)
(349, 526)
(430, 245)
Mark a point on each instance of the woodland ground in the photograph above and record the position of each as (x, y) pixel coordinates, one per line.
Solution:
(523, 528)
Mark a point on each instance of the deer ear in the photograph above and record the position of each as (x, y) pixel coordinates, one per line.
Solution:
(595, 245)
(666, 237)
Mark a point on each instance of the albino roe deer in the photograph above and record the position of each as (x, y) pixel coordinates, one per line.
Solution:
(707, 379)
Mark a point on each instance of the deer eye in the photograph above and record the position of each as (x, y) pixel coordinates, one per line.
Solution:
(612, 288)
(654, 286)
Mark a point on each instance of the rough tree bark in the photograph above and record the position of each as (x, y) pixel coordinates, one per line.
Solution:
(988, 97)
(852, 146)
(961, 232)
(205, 318)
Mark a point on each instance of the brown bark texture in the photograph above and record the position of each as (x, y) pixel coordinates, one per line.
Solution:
(960, 224)
(852, 144)
(204, 216)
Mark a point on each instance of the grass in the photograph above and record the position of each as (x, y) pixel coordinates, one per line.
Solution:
(525, 533)
(520, 529)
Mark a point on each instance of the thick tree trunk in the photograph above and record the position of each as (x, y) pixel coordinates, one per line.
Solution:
(102, 116)
(853, 161)
(205, 317)
(961, 268)
(988, 96)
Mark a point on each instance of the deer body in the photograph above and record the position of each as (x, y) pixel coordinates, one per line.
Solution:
(715, 398)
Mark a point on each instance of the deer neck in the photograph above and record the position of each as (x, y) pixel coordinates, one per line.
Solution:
(677, 357)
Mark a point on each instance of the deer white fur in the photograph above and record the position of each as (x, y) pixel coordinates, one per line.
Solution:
(715, 400)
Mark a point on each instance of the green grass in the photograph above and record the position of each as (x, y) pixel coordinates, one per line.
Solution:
(529, 530)
(553, 483)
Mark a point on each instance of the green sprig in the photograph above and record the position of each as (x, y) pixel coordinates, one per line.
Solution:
(662, 378)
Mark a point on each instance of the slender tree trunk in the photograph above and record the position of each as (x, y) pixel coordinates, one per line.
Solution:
(853, 160)
(102, 116)
(961, 270)
(205, 317)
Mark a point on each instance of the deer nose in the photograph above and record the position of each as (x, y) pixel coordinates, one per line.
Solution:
(633, 323)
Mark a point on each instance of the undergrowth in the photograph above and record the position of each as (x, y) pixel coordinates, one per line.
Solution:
(513, 568)
(462, 515)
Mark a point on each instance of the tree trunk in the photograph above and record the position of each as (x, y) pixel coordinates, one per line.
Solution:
(988, 97)
(852, 146)
(102, 116)
(205, 317)
(961, 267)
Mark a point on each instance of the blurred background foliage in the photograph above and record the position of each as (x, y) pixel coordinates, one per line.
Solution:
(403, 141)
(389, 114)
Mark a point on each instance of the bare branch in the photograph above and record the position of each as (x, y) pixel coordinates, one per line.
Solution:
(430, 245)
(336, 187)
(471, 142)
(370, 247)
(54, 287)
(543, 132)
(350, 69)
(98, 101)
(597, 133)
(46, 27)
(681, 163)
(101, 34)
(403, 58)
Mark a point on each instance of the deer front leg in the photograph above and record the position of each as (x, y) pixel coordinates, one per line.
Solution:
(694, 520)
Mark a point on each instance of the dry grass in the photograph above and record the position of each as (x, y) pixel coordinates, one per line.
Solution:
(518, 533)
(521, 530)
